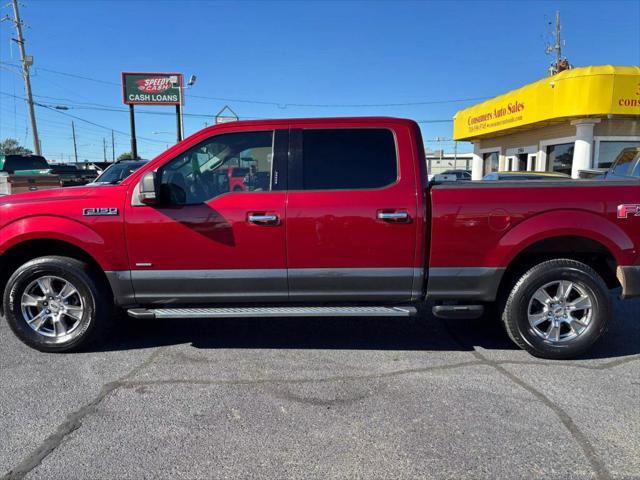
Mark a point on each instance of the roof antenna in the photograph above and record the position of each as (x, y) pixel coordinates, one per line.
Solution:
(561, 63)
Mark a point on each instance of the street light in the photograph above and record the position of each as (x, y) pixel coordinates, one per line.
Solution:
(190, 83)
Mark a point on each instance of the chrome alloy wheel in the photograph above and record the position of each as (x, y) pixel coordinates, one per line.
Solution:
(52, 307)
(560, 311)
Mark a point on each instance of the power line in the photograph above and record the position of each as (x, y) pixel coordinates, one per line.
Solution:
(72, 75)
(283, 104)
(67, 74)
(107, 108)
(96, 124)
(64, 126)
(339, 105)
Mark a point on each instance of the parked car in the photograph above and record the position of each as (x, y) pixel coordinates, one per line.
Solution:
(118, 171)
(348, 226)
(626, 166)
(71, 175)
(24, 173)
(459, 174)
(236, 178)
(526, 175)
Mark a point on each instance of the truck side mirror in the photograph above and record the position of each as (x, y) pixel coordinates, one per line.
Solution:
(147, 189)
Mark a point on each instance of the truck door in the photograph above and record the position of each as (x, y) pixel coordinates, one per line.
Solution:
(205, 241)
(352, 219)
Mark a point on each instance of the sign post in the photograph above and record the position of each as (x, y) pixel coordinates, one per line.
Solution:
(134, 143)
(179, 122)
(151, 88)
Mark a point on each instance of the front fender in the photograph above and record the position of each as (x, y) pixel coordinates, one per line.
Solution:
(47, 227)
(559, 223)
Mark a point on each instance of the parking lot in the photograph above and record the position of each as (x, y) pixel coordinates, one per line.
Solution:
(338, 398)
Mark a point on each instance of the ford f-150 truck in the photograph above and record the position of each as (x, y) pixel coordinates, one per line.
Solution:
(346, 224)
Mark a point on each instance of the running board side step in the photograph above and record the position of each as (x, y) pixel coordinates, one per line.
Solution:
(240, 312)
(458, 312)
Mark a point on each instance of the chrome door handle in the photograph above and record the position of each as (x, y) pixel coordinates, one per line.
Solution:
(266, 219)
(393, 216)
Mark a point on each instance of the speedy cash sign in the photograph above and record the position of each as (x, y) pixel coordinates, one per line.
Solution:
(151, 88)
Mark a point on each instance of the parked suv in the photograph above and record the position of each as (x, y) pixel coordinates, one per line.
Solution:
(118, 171)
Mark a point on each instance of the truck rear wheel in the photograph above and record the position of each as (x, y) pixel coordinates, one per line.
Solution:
(56, 304)
(557, 309)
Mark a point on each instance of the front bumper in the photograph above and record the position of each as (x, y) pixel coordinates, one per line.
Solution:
(629, 278)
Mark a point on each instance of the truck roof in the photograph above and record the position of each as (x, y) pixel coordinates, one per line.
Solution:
(317, 121)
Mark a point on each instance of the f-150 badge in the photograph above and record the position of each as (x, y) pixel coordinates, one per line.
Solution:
(99, 212)
(629, 210)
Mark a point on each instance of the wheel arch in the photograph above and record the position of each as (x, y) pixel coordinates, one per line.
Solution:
(21, 253)
(578, 225)
(575, 247)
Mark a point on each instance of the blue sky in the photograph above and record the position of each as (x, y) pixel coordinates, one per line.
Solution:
(336, 58)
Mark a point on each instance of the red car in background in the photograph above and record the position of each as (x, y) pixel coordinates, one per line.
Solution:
(236, 177)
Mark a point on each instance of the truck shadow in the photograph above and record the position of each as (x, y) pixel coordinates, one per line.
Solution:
(421, 333)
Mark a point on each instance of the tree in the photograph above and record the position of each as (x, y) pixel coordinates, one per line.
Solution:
(127, 156)
(10, 146)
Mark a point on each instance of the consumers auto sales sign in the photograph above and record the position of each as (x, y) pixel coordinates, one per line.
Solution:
(151, 88)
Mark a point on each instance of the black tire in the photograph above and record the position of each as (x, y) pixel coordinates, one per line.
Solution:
(91, 288)
(520, 303)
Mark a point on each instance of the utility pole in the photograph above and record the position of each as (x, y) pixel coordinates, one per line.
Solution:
(113, 148)
(455, 154)
(75, 148)
(26, 62)
(104, 149)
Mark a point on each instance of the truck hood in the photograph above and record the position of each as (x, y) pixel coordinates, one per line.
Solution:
(54, 194)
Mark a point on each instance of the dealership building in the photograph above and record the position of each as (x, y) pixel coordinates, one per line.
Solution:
(579, 119)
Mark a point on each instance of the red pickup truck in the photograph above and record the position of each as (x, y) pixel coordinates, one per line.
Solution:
(343, 223)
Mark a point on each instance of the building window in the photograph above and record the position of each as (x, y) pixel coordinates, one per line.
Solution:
(608, 151)
(560, 158)
(491, 162)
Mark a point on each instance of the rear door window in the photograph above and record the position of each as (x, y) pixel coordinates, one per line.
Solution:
(348, 159)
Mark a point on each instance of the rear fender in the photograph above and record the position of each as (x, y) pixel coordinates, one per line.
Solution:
(560, 223)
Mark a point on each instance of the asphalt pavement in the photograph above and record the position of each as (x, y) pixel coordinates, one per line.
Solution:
(321, 398)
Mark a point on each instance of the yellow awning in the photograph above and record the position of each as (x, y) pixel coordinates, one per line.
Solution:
(581, 92)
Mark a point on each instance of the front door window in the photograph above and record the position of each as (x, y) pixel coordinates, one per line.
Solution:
(232, 162)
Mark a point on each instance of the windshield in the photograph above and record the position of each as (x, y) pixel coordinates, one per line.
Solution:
(118, 172)
(625, 162)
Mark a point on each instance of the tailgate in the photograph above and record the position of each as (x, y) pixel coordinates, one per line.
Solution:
(29, 183)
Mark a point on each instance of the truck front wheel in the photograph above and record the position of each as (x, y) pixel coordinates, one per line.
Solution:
(557, 309)
(56, 304)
